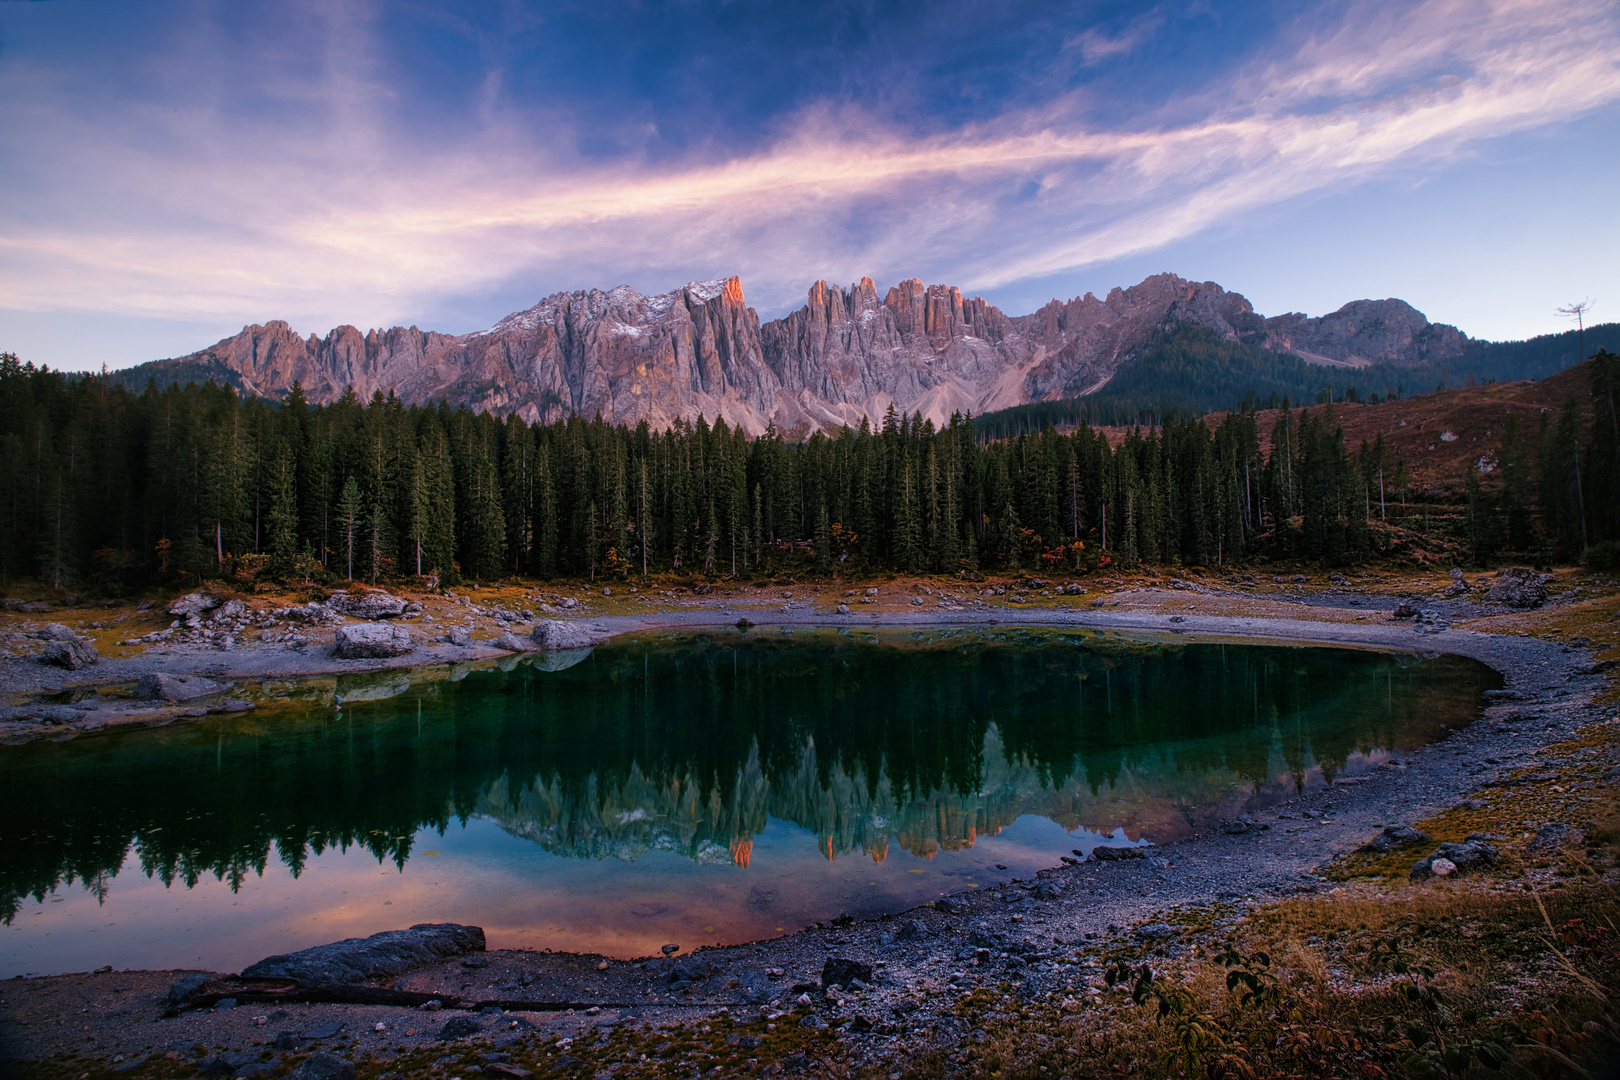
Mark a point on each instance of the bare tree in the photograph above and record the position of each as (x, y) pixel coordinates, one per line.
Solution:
(1577, 311)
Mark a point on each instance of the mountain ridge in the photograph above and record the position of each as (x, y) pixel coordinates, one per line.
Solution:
(847, 354)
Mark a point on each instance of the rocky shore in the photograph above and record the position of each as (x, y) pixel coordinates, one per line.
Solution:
(864, 995)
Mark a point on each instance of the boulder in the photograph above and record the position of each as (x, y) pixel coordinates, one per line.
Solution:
(512, 643)
(1518, 588)
(1104, 853)
(55, 631)
(362, 641)
(693, 969)
(459, 636)
(231, 609)
(187, 988)
(1404, 610)
(842, 971)
(1392, 837)
(157, 686)
(356, 960)
(369, 606)
(193, 604)
(551, 635)
(73, 655)
(323, 1067)
(1468, 857)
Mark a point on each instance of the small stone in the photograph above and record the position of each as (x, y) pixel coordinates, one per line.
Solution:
(669, 950)
(458, 1027)
(430, 1006)
(813, 1022)
(1442, 867)
(507, 1071)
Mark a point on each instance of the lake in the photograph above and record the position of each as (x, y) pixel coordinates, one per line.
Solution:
(673, 789)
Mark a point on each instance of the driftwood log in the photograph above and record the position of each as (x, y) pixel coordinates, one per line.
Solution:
(277, 989)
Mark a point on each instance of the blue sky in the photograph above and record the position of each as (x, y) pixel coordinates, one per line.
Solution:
(170, 171)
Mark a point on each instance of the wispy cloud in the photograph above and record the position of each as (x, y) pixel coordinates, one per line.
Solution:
(201, 216)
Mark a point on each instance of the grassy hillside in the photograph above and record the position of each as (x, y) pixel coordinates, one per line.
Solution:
(1192, 372)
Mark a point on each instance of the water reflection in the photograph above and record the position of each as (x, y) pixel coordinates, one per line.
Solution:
(692, 747)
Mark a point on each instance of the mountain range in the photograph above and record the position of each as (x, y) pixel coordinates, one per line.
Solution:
(846, 354)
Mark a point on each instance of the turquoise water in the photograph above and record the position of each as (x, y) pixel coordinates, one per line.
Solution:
(673, 789)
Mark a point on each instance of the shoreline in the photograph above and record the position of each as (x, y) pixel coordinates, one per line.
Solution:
(60, 705)
(1282, 855)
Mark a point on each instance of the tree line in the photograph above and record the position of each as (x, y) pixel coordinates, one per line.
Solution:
(107, 489)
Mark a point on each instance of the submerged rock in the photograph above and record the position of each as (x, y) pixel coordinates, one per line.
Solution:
(373, 640)
(157, 686)
(354, 960)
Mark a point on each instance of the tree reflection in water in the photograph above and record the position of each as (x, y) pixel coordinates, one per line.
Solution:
(926, 741)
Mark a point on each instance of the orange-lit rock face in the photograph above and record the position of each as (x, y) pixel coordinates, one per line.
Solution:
(845, 355)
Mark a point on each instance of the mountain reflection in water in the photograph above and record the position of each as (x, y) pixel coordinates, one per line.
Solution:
(926, 743)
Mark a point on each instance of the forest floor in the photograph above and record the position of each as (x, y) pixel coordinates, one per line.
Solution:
(1008, 981)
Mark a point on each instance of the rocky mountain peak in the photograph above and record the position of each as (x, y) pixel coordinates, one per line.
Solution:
(846, 354)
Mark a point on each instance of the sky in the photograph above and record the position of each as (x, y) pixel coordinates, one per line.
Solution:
(172, 170)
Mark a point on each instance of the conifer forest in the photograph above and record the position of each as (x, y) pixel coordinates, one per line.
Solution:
(106, 490)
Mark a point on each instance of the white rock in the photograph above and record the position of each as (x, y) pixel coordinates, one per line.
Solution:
(359, 641)
(551, 635)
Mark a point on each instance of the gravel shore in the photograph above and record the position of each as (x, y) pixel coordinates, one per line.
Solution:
(1023, 932)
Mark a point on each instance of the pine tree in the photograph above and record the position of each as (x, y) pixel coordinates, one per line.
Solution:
(282, 519)
(349, 524)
